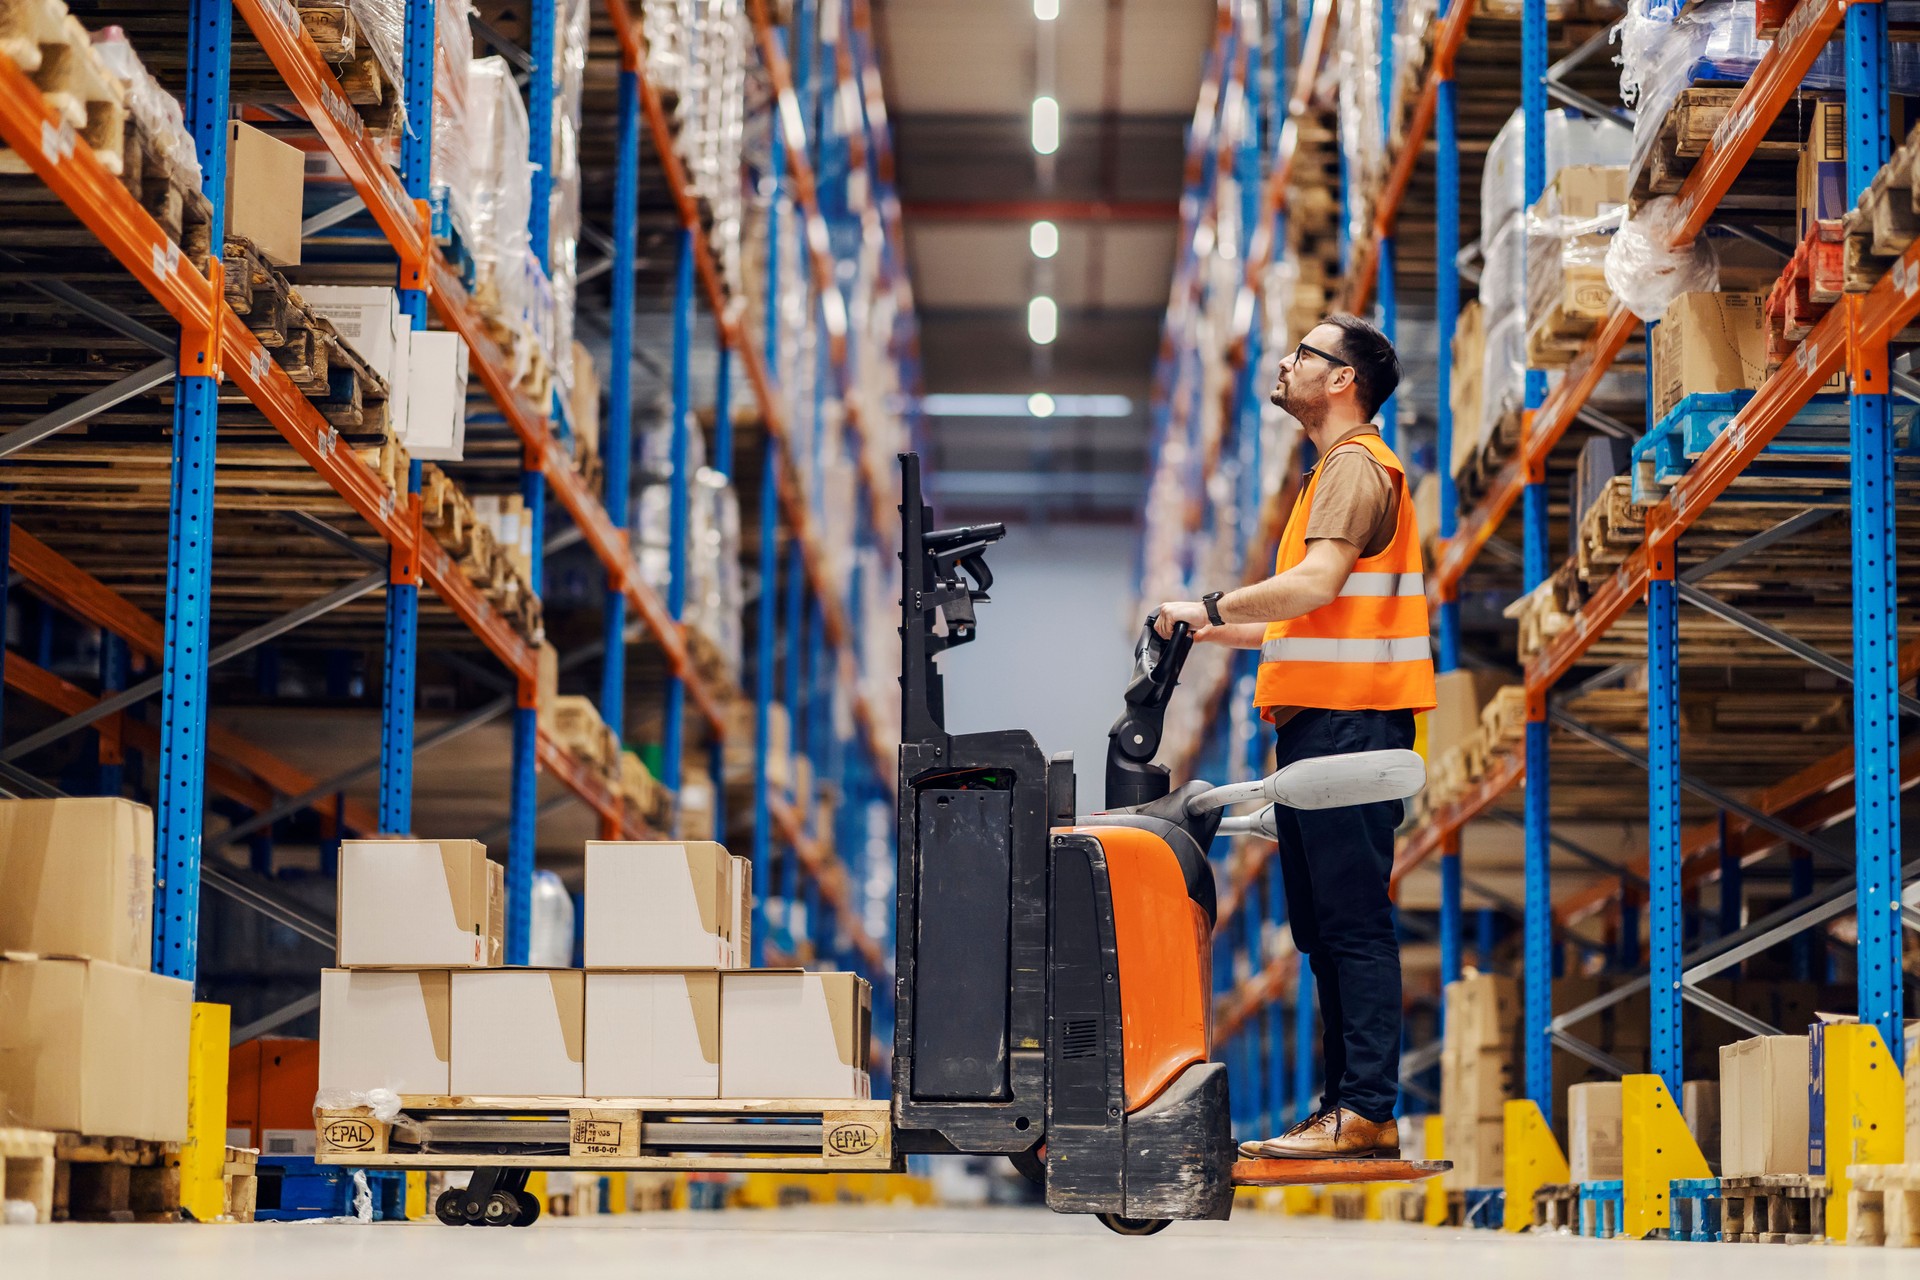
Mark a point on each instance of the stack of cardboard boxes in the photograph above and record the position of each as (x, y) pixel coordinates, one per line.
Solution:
(91, 1040)
(1477, 1075)
(665, 1007)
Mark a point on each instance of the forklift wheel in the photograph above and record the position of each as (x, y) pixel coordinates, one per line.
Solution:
(1132, 1226)
(529, 1209)
(502, 1209)
(1031, 1165)
(447, 1208)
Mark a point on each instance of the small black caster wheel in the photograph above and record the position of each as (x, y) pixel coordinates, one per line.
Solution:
(1132, 1226)
(447, 1207)
(502, 1209)
(1030, 1165)
(529, 1209)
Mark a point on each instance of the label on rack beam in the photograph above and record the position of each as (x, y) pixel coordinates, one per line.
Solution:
(291, 28)
(164, 259)
(56, 142)
(258, 364)
(1906, 276)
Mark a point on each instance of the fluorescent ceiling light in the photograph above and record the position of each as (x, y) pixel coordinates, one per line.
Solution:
(984, 405)
(1046, 125)
(1043, 320)
(1046, 10)
(1044, 239)
(1040, 405)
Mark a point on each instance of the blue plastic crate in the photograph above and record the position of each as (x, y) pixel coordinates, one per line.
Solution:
(291, 1188)
(1603, 1207)
(1485, 1208)
(1693, 1210)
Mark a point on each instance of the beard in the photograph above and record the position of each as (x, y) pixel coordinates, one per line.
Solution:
(1306, 404)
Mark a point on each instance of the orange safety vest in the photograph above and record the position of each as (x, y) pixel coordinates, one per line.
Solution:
(1370, 649)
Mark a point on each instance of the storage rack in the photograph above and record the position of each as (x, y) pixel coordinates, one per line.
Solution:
(796, 859)
(1258, 1033)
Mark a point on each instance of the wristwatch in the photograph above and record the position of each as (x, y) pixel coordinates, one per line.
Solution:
(1212, 601)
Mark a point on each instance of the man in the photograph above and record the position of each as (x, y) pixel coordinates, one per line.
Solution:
(1345, 662)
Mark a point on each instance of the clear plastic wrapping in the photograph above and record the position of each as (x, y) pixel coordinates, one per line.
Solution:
(1571, 139)
(156, 111)
(563, 239)
(697, 54)
(1645, 273)
(1503, 273)
(452, 184)
(502, 185)
(383, 25)
(1362, 145)
(1567, 235)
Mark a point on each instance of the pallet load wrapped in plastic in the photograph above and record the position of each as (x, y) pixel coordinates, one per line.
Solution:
(510, 286)
(697, 53)
(1358, 56)
(155, 113)
(451, 190)
(1568, 231)
(563, 223)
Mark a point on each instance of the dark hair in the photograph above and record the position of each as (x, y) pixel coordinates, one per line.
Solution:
(1376, 369)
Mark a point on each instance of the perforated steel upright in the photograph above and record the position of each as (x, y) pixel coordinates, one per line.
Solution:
(764, 653)
(1447, 320)
(183, 695)
(1386, 296)
(617, 448)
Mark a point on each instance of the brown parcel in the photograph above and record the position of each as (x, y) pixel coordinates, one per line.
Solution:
(76, 878)
(1708, 342)
(1595, 1149)
(1763, 1106)
(266, 183)
(91, 1047)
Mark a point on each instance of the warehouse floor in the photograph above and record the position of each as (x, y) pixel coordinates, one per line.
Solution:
(844, 1243)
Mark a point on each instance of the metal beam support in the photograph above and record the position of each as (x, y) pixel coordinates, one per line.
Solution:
(1447, 286)
(618, 446)
(1790, 527)
(1833, 666)
(763, 647)
(1876, 638)
(1665, 936)
(78, 411)
(673, 733)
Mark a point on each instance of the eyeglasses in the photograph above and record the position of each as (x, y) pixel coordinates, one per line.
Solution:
(1333, 360)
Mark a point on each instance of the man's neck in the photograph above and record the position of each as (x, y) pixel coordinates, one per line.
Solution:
(1331, 430)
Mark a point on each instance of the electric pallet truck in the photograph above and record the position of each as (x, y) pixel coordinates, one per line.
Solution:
(1053, 970)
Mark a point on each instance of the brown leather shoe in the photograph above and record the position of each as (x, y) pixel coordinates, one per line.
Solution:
(1338, 1134)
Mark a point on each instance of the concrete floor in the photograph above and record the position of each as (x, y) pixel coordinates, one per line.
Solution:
(920, 1244)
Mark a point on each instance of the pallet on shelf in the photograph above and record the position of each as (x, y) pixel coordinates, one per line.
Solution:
(1773, 1208)
(101, 1179)
(1883, 1205)
(800, 1135)
(1547, 610)
(1690, 124)
(27, 1169)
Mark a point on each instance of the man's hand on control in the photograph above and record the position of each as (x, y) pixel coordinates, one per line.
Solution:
(1191, 612)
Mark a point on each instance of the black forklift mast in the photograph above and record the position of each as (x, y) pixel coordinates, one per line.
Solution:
(970, 1024)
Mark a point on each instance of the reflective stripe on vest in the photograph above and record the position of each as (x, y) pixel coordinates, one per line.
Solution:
(1385, 584)
(1325, 649)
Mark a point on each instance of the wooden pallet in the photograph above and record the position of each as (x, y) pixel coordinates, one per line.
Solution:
(1773, 1208)
(1766, 182)
(27, 1169)
(240, 1178)
(807, 1135)
(56, 52)
(99, 1179)
(1883, 1205)
(1557, 1208)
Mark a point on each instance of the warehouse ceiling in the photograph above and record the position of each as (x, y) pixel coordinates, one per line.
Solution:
(961, 79)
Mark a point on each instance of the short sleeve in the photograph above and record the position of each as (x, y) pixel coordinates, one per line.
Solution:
(1352, 501)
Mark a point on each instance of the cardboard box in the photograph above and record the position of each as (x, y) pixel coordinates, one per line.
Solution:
(1763, 1106)
(1475, 1084)
(266, 186)
(658, 905)
(414, 904)
(369, 318)
(740, 897)
(385, 1030)
(519, 1032)
(1911, 1073)
(1700, 1104)
(1483, 1011)
(1822, 194)
(496, 913)
(76, 878)
(653, 1034)
(1595, 1151)
(92, 1047)
(788, 1034)
(271, 1085)
(1708, 342)
(436, 421)
(1567, 239)
(584, 404)
(1479, 1153)
(547, 685)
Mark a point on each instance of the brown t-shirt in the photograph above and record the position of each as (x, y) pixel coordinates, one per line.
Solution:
(1355, 501)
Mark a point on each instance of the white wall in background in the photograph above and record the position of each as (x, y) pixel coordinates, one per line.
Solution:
(1055, 649)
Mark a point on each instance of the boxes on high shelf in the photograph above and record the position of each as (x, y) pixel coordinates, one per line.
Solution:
(1763, 1106)
(546, 685)
(271, 1083)
(1469, 377)
(385, 1029)
(1567, 237)
(1595, 1152)
(653, 1034)
(658, 905)
(1822, 180)
(76, 878)
(92, 1047)
(1483, 1012)
(518, 1032)
(266, 186)
(577, 726)
(1455, 718)
(370, 320)
(789, 1034)
(436, 422)
(1708, 343)
(742, 742)
(413, 904)
(584, 404)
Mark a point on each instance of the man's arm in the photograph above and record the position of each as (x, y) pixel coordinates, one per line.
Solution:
(1314, 582)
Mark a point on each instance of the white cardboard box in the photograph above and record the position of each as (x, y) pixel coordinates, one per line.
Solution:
(519, 1032)
(658, 905)
(1594, 1135)
(653, 1034)
(740, 898)
(788, 1034)
(370, 319)
(384, 1029)
(436, 421)
(413, 904)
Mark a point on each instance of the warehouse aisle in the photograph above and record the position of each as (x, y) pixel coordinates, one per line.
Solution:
(846, 1243)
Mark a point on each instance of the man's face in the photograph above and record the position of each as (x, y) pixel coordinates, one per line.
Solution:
(1301, 381)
